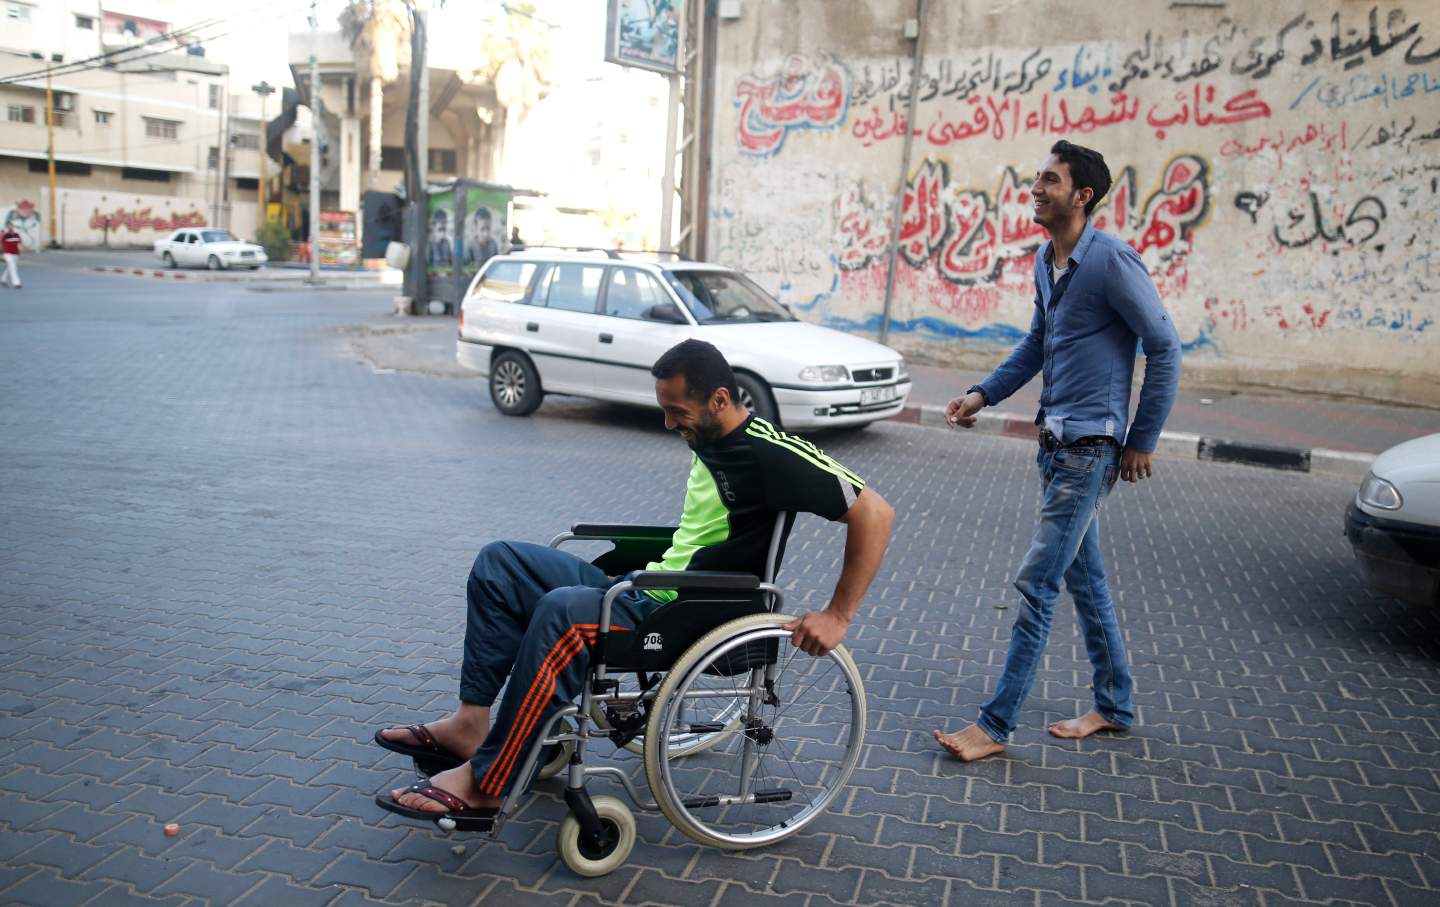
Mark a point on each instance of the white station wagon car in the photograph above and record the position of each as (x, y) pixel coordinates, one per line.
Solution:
(1394, 522)
(199, 247)
(572, 323)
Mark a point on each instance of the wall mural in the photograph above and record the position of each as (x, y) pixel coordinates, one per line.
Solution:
(1277, 182)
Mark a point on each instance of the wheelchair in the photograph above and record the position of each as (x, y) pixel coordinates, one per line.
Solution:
(745, 740)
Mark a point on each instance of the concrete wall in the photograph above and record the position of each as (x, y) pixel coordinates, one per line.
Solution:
(1278, 168)
(135, 221)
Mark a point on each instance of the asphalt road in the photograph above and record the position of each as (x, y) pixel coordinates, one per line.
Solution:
(233, 544)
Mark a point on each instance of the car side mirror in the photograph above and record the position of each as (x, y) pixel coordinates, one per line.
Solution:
(665, 311)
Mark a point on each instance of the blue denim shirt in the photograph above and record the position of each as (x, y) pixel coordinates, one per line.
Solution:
(1083, 337)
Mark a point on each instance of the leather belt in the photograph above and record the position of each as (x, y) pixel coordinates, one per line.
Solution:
(1050, 442)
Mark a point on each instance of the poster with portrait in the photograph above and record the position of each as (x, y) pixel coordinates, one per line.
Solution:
(647, 34)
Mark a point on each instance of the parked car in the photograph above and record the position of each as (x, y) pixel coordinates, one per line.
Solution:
(537, 322)
(1394, 522)
(204, 248)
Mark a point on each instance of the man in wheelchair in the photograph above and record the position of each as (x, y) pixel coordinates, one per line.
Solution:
(533, 611)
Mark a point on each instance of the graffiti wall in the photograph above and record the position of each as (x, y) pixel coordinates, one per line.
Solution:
(1277, 169)
(119, 219)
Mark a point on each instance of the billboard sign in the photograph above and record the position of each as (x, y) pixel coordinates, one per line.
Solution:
(646, 34)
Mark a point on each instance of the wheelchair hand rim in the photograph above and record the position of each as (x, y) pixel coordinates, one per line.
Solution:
(812, 811)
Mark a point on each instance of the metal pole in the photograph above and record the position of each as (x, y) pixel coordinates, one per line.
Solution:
(50, 153)
(898, 210)
(314, 148)
(261, 216)
(667, 201)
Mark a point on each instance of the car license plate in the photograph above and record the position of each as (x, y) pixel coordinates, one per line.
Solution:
(871, 395)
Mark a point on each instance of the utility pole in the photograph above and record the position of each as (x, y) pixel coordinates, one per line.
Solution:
(667, 182)
(314, 147)
(50, 154)
(264, 90)
(417, 153)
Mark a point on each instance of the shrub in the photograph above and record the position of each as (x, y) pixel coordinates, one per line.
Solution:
(275, 239)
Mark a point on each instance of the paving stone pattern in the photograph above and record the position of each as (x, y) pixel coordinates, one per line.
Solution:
(231, 549)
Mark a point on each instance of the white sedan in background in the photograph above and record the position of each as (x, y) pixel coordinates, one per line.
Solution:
(198, 247)
(1394, 522)
(538, 322)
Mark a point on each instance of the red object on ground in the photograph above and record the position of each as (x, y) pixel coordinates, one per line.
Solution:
(172, 829)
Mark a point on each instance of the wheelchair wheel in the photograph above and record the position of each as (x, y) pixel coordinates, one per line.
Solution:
(789, 757)
(588, 860)
(699, 727)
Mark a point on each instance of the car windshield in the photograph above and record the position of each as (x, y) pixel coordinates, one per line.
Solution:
(725, 297)
(217, 236)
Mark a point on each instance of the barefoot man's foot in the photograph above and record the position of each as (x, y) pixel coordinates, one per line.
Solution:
(969, 744)
(1084, 726)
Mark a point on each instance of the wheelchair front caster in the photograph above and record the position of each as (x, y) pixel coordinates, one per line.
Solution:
(590, 858)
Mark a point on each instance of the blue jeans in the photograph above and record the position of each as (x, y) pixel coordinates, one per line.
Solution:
(1066, 545)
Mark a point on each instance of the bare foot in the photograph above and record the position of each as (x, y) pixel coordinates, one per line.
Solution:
(459, 781)
(969, 744)
(1084, 726)
(461, 732)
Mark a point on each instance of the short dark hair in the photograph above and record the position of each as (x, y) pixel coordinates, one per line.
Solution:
(1087, 170)
(703, 366)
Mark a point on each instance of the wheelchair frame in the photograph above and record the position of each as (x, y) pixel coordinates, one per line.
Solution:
(590, 833)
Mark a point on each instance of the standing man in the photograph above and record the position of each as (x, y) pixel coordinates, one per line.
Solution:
(1093, 300)
(10, 244)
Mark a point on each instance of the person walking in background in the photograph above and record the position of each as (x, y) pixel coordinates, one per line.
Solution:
(1093, 300)
(10, 243)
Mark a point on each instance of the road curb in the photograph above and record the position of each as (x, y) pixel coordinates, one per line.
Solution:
(1177, 444)
(336, 281)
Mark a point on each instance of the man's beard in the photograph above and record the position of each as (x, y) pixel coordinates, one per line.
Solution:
(705, 433)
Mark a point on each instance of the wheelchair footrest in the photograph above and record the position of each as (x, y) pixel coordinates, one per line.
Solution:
(760, 796)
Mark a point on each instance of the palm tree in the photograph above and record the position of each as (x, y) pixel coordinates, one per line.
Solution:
(515, 58)
(379, 34)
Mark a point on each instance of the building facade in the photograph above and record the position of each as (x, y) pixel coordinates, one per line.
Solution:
(1275, 165)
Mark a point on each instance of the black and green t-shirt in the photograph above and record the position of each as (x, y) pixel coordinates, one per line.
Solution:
(738, 484)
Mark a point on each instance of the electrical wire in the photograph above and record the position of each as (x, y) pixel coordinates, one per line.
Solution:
(106, 60)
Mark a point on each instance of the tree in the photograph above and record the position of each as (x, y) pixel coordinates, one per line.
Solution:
(379, 35)
(515, 56)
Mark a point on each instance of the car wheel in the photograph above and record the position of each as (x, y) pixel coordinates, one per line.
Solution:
(755, 396)
(168, 259)
(514, 385)
(213, 263)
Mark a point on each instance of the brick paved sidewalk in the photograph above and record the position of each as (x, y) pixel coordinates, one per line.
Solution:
(232, 547)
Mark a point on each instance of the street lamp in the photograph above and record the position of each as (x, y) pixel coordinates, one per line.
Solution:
(263, 89)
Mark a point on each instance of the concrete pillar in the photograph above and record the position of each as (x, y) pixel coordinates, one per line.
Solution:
(350, 164)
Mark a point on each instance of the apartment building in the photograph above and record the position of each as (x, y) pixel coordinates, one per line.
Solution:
(140, 126)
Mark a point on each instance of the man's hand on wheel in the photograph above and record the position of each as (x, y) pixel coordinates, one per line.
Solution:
(817, 632)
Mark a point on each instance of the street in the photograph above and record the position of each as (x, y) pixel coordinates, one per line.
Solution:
(235, 541)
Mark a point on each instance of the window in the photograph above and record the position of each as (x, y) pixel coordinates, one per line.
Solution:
(140, 173)
(506, 281)
(103, 117)
(392, 157)
(632, 294)
(246, 140)
(217, 236)
(721, 296)
(17, 11)
(40, 165)
(214, 97)
(61, 118)
(212, 159)
(85, 22)
(21, 113)
(247, 182)
(442, 160)
(573, 288)
(161, 129)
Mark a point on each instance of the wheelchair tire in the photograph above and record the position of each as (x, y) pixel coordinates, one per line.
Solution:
(557, 763)
(813, 799)
(619, 820)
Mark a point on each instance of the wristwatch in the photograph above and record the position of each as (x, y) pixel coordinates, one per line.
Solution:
(983, 396)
